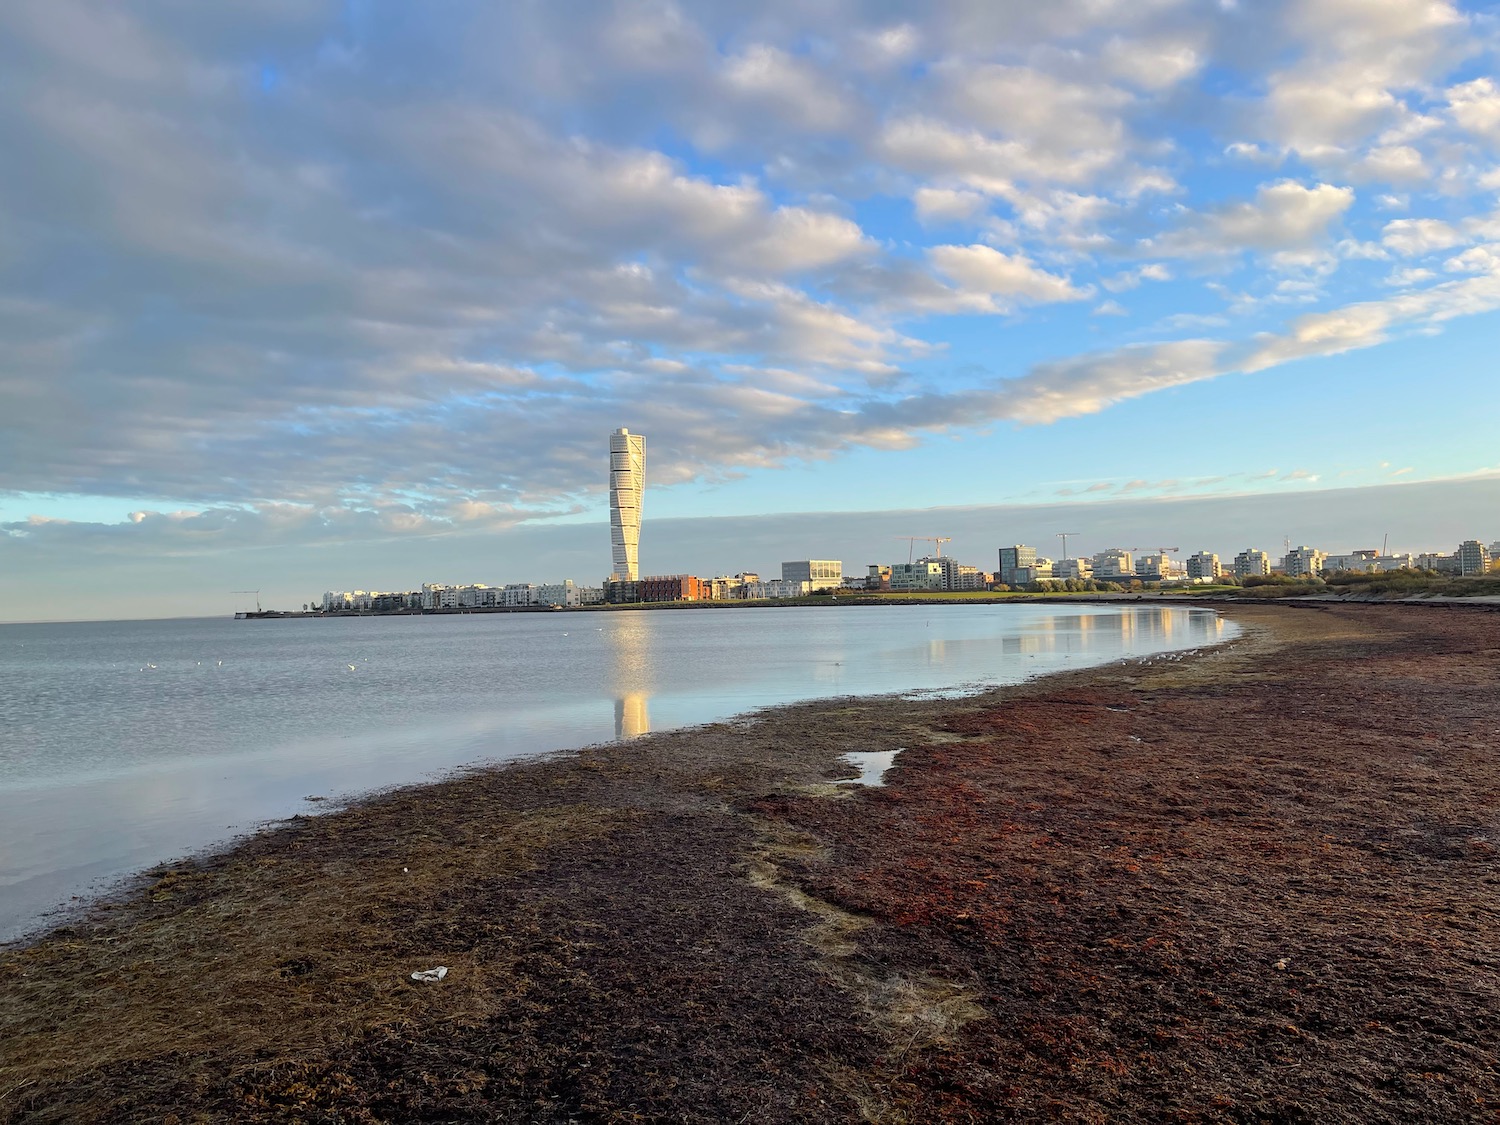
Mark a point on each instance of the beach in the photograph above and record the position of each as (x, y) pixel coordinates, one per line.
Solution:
(1255, 883)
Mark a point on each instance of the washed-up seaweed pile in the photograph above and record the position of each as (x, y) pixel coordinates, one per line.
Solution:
(1259, 884)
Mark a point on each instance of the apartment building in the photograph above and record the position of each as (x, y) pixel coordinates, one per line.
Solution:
(916, 576)
(1303, 562)
(1113, 564)
(1072, 568)
(1204, 564)
(1251, 563)
(1473, 557)
(671, 588)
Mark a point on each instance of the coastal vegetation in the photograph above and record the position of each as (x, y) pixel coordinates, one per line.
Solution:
(1404, 583)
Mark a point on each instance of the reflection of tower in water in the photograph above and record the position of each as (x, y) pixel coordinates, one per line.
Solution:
(630, 672)
(632, 718)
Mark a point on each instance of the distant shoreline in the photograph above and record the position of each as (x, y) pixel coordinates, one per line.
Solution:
(1216, 598)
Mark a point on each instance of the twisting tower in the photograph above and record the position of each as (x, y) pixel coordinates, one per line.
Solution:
(627, 484)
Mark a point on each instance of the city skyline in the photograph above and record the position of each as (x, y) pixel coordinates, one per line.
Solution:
(302, 290)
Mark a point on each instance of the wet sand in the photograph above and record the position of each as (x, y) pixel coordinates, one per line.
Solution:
(1255, 884)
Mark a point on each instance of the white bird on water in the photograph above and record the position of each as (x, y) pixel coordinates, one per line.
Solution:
(351, 667)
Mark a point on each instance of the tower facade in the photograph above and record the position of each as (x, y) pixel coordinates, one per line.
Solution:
(627, 485)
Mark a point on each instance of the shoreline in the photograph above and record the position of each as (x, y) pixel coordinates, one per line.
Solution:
(816, 951)
(978, 597)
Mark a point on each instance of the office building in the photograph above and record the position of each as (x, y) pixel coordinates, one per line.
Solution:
(820, 574)
(627, 485)
(1016, 565)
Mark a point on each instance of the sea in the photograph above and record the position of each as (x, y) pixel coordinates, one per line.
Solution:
(126, 744)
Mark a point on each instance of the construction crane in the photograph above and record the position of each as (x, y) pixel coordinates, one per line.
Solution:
(1063, 535)
(257, 598)
(937, 540)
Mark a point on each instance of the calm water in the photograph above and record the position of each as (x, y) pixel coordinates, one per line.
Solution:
(123, 744)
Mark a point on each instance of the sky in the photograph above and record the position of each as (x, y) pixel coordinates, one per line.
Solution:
(300, 295)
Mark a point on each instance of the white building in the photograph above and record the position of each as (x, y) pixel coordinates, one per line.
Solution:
(565, 593)
(478, 596)
(948, 566)
(969, 578)
(1114, 563)
(521, 594)
(1072, 568)
(820, 574)
(916, 576)
(1205, 564)
(1160, 567)
(725, 588)
(1303, 562)
(1251, 563)
(785, 588)
(627, 488)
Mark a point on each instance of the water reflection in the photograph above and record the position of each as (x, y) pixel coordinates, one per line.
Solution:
(629, 649)
(632, 718)
(1146, 628)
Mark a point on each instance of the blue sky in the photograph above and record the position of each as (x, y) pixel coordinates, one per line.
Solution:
(291, 283)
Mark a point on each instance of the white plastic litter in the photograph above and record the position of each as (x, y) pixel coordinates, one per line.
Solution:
(430, 974)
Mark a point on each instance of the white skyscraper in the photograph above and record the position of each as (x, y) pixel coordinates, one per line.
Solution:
(627, 485)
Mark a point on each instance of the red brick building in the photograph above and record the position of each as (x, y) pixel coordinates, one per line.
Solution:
(672, 588)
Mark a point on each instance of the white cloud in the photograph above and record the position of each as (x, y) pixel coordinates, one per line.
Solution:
(1415, 237)
(1357, 61)
(798, 239)
(1391, 164)
(948, 204)
(787, 85)
(1002, 279)
(1153, 63)
(1475, 107)
(1130, 279)
(1477, 259)
(1091, 383)
(1405, 278)
(1249, 151)
(1366, 324)
(1284, 216)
